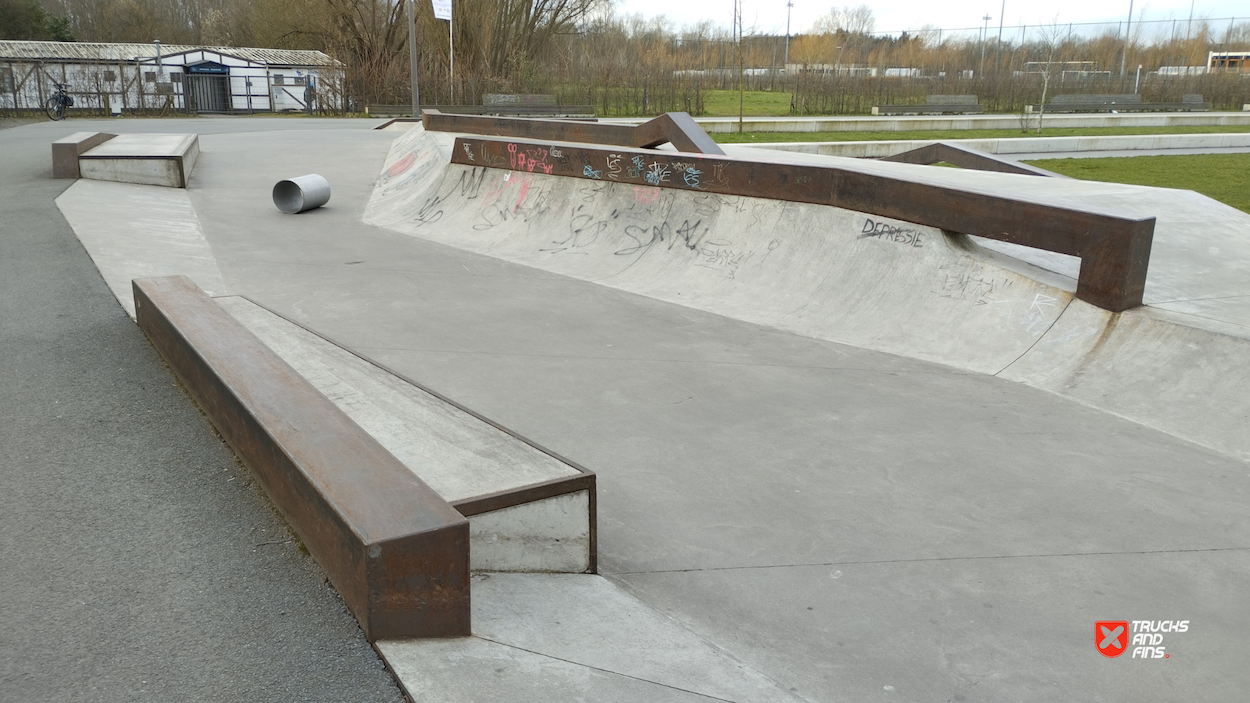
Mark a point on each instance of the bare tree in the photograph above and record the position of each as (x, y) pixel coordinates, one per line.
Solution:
(846, 20)
(1051, 38)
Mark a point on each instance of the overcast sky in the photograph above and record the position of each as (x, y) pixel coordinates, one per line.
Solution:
(769, 16)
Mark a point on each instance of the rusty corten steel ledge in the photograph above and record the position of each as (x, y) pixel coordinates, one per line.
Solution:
(584, 480)
(395, 550)
(1114, 248)
(66, 150)
(967, 157)
(676, 128)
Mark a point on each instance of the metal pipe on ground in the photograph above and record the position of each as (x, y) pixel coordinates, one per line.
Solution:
(302, 193)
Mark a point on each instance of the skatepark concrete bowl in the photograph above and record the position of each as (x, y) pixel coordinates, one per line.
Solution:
(839, 456)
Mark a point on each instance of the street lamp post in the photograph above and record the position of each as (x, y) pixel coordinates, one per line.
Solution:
(998, 47)
(984, 35)
(412, 57)
(1128, 32)
(790, 5)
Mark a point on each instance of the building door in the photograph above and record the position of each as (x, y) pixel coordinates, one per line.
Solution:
(205, 93)
(206, 88)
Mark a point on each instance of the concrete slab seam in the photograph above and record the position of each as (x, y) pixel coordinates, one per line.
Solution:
(606, 671)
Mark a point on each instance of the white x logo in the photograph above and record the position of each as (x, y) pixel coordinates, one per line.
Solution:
(1111, 637)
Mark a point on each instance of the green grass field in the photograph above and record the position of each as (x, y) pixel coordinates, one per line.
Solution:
(755, 103)
(734, 138)
(1224, 177)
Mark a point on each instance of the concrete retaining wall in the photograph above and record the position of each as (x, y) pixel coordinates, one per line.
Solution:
(1021, 145)
(940, 122)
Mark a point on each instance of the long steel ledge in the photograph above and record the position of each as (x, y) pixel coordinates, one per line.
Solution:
(1114, 247)
(395, 550)
(676, 128)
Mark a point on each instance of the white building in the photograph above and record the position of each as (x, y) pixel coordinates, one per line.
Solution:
(116, 78)
(1228, 62)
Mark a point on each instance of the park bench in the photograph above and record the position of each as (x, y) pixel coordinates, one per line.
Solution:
(934, 105)
(1119, 103)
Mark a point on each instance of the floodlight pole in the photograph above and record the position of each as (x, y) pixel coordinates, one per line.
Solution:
(789, 6)
(451, 55)
(412, 57)
(1128, 32)
(998, 48)
(984, 36)
(738, 46)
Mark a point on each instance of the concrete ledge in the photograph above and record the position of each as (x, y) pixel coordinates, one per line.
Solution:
(66, 150)
(944, 122)
(880, 149)
(396, 551)
(529, 509)
(149, 159)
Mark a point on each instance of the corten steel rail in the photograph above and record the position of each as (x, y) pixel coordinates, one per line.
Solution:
(967, 157)
(1114, 248)
(395, 550)
(676, 128)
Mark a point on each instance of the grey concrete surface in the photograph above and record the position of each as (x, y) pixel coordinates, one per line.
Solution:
(1115, 153)
(860, 123)
(137, 561)
(561, 637)
(142, 231)
(851, 524)
(1031, 147)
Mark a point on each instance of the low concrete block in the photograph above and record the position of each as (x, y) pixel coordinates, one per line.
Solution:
(149, 159)
(396, 551)
(66, 150)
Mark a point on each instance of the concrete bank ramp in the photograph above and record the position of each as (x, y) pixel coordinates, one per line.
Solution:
(1178, 364)
(815, 270)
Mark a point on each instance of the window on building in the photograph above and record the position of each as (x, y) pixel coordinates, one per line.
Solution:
(149, 77)
(110, 76)
(6, 80)
(175, 77)
(298, 80)
(278, 79)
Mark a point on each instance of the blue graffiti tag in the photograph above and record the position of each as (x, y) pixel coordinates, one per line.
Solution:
(691, 176)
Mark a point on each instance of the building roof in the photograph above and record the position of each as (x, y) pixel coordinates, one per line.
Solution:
(100, 52)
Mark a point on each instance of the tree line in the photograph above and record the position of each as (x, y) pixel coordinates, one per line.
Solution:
(583, 52)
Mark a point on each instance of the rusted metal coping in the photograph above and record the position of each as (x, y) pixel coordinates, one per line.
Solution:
(967, 157)
(676, 128)
(66, 150)
(1114, 248)
(395, 550)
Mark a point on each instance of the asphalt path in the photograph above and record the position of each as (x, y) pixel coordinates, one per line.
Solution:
(138, 560)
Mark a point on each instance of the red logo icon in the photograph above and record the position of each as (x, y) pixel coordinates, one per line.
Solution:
(1111, 637)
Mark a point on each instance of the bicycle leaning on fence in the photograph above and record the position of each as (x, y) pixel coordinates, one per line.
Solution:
(60, 100)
